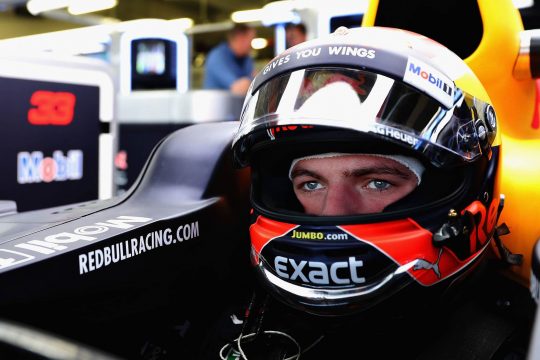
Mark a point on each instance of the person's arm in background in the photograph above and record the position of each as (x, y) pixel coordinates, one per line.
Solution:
(218, 76)
(241, 85)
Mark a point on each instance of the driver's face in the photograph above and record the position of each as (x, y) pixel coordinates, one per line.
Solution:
(350, 184)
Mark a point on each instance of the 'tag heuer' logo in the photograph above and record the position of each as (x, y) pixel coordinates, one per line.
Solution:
(34, 167)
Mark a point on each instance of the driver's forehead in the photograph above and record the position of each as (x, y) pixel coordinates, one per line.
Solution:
(331, 163)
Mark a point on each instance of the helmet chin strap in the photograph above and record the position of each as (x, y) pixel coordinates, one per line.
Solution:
(414, 165)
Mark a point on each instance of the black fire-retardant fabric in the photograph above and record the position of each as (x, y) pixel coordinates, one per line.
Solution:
(492, 322)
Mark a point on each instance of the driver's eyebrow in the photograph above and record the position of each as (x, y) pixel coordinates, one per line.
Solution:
(378, 170)
(305, 172)
(359, 172)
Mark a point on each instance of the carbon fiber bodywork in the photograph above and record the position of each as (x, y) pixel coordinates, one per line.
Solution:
(108, 273)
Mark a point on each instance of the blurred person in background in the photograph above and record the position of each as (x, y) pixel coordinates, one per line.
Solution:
(229, 65)
(295, 34)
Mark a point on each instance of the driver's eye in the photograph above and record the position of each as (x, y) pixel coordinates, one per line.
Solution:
(379, 185)
(312, 185)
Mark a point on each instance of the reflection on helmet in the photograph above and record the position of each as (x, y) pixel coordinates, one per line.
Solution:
(372, 96)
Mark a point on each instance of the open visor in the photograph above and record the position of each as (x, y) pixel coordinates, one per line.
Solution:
(370, 103)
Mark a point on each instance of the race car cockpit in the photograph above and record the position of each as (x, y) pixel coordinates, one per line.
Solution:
(167, 254)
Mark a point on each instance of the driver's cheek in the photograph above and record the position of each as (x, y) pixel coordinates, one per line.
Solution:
(380, 200)
(377, 201)
(356, 199)
(312, 202)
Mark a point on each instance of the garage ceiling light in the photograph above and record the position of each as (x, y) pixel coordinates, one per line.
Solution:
(247, 16)
(74, 7)
(182, 23)
(259, 43)
(36, 7)
(79, 7)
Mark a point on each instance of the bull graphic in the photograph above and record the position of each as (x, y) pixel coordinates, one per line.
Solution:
(426, 265)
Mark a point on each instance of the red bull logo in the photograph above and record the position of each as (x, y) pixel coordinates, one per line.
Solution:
(34, 167)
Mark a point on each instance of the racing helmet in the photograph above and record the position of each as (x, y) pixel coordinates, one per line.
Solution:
(384, 92)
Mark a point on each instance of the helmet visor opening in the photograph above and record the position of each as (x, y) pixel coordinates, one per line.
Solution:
(369, 103)
(362, 184)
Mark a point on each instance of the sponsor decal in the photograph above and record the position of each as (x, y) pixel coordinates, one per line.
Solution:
(283, 130)
(352, 51)
(10, 258)
(434, 265)
(301, 54)
(535, 124)
(121, 160)
(111, 254)
(318, 235)
(319, 273)
(430, 80)
(394, 133)
(63, 241)
(422, 264)
(483, 222)
(535, 288)
(51, 108)
(34, 167)
(276, 63)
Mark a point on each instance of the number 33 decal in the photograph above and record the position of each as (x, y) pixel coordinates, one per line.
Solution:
(51, 108)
